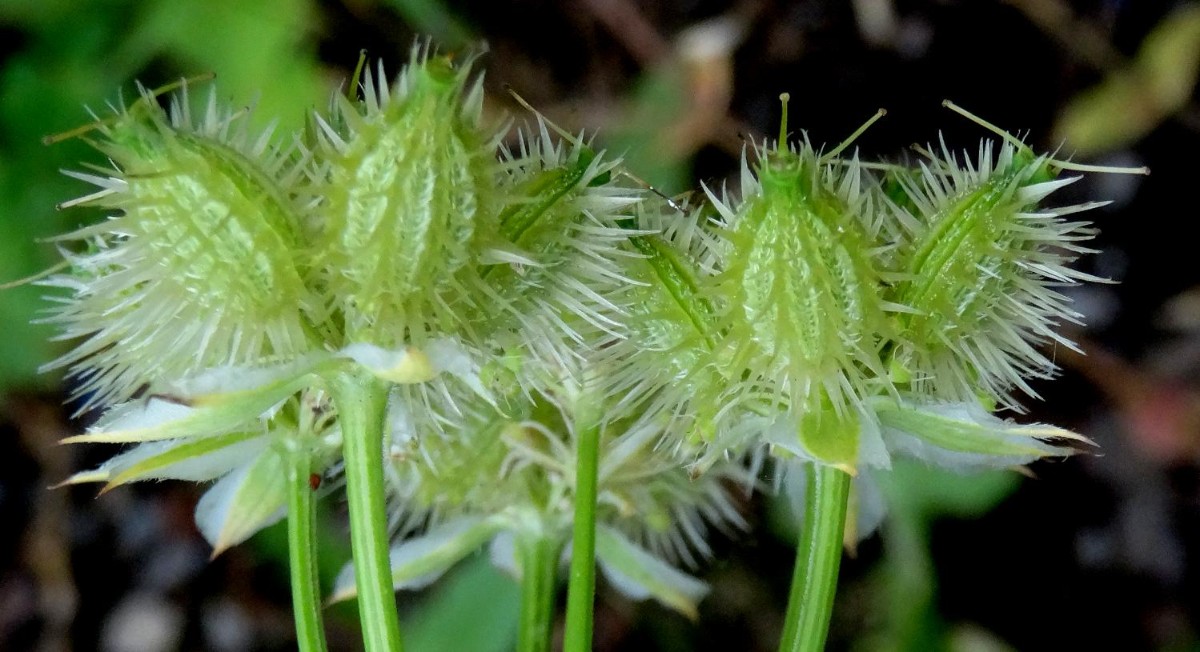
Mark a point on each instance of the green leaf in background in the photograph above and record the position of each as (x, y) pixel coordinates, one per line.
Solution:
(474, 609)
(1132, 101)
(257, 49)
(929, 492)
(917, 495)
(43, 89)
(435, 19)
(74, 54)
(655, 105)
(24, 347)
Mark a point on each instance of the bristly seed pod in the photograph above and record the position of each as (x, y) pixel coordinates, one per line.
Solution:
(560, 280)
(199, 266)
(408, 201)
(663, 368)
(980, 270)
(803, 309)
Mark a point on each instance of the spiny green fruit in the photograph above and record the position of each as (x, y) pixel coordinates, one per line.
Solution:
(406, 200)
(560, 282)
(200, 265)
(980, 270)
(663, 368)
(803, 312)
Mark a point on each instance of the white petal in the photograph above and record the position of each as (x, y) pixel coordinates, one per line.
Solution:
(206, 463)
(418, 562)
(965, 437)
(640, 575)
(247, 500)
(503, 553)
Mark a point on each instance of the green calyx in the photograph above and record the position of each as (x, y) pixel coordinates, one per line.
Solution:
(831, 438)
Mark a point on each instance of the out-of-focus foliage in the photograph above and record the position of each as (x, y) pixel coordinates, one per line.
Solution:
(75, 54)
(903, 587)
(679, 104)
(1136, 98)
(916, 496)
(475, 608)
(435, 19)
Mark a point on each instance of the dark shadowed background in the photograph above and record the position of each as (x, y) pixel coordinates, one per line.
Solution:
(1095, 552)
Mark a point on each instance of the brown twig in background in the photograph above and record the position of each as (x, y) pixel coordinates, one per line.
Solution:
(45, 548)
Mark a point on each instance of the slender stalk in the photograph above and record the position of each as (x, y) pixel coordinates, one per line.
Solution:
(302, 559)
(539, 563)
(361, 401)
(581, 589)
(818, 555)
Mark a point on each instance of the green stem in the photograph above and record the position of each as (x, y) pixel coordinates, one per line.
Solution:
(302, 559)
(818, 555)
(361, 401)
(539, 563)
(581, 590)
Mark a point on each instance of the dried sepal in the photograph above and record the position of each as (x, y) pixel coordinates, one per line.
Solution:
(639, 575)
(248, 499)
(194, 459)
(419, 561)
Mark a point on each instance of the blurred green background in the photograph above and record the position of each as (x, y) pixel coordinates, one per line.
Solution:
(1097, 552)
